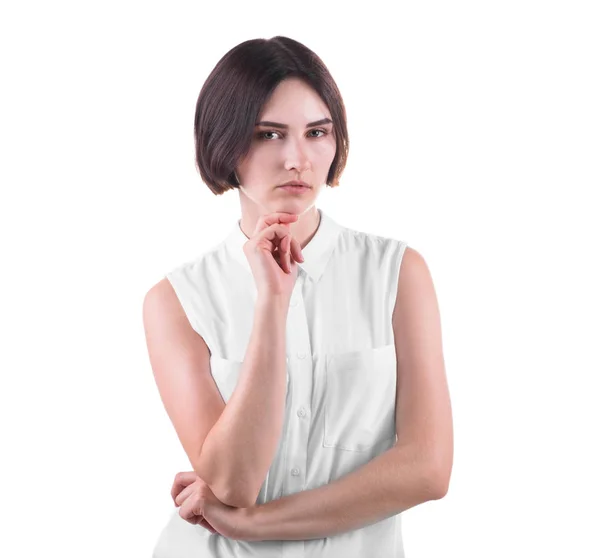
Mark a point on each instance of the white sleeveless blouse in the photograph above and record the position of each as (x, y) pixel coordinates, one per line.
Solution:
(341, 377)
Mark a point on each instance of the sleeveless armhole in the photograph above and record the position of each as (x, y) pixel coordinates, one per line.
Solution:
(189, 297)
(399, 248)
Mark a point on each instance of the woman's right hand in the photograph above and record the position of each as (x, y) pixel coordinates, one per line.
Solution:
(273, 254)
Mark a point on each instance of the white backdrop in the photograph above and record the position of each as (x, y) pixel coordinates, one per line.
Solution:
(474, 130)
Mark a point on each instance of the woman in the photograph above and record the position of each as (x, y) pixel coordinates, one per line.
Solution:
(299, 360)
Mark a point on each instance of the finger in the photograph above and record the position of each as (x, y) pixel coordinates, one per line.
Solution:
(276, 239)
(293, 251)
(265, 221)
(296, 250)
(181, 481)
(274, 235)
(183, 495)
(286, 243)
(290, 259)
(192, 509)
(284, 254)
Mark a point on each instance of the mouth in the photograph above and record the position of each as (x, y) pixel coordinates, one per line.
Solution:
(295, 183)
(295, 188)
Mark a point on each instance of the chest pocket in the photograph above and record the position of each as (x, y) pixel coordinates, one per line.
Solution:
(226, 373)
(360, 398)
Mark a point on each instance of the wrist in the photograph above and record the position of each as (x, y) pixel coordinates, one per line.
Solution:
(273, 303)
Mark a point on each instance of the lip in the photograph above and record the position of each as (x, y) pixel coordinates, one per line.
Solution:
(295, 183)
(295, 189)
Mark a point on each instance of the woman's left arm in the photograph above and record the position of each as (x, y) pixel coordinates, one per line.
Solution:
(418, 468)
(387, 485)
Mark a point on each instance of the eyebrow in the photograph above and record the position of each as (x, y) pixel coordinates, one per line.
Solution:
(285, 126)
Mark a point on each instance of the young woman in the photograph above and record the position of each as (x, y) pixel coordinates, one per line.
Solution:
(300, 361)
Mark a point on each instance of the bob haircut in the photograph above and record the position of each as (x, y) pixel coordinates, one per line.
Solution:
(232, 98)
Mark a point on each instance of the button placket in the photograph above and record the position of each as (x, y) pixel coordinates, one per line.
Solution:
(301, 375)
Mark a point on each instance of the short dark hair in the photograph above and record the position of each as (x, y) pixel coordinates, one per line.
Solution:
(234, 93)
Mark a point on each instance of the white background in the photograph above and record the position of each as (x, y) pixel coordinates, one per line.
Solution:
(474, 130)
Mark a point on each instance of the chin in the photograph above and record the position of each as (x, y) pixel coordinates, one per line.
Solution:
(293, 202)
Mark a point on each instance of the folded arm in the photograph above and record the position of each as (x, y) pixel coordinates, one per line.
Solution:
(387, 485)
(418, 468)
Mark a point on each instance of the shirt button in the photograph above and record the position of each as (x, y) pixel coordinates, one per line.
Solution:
(294, 302)
(295, 472)
(300, 354)
(301, 412)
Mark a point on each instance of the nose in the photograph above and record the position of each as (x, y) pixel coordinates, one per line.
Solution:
(295, 156)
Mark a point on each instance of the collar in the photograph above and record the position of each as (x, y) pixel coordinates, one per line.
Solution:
(316, 253)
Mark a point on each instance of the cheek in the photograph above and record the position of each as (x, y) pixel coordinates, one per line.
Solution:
(256, 162)
(326, 152)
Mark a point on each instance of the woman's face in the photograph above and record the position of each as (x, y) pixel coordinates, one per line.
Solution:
(278, 155)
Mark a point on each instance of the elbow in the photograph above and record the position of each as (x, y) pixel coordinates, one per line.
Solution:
(432, 488)
(437, 483)
(430, 477)
(438, 489)
(239, 492)
(239, 499)
(234, 496)
(226, 492)
(438, 470)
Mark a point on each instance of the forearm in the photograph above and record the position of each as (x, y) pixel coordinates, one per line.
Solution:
(387, 485)
(240, 448)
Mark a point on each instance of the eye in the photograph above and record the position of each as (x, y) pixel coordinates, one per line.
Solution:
(261, 135)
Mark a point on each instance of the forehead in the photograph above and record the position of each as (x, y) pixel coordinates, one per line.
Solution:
(294, 102)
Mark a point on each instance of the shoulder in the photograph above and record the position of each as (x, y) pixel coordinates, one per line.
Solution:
(414, 268)
(160, 303)
(182, 285)
(415, 289)
(386, 253)
(370, 241)
(164, 297)
(192, 271)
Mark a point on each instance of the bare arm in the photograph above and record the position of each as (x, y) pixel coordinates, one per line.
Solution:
(418, 468)
(387, 485)
(230, 446)
(240, 447)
